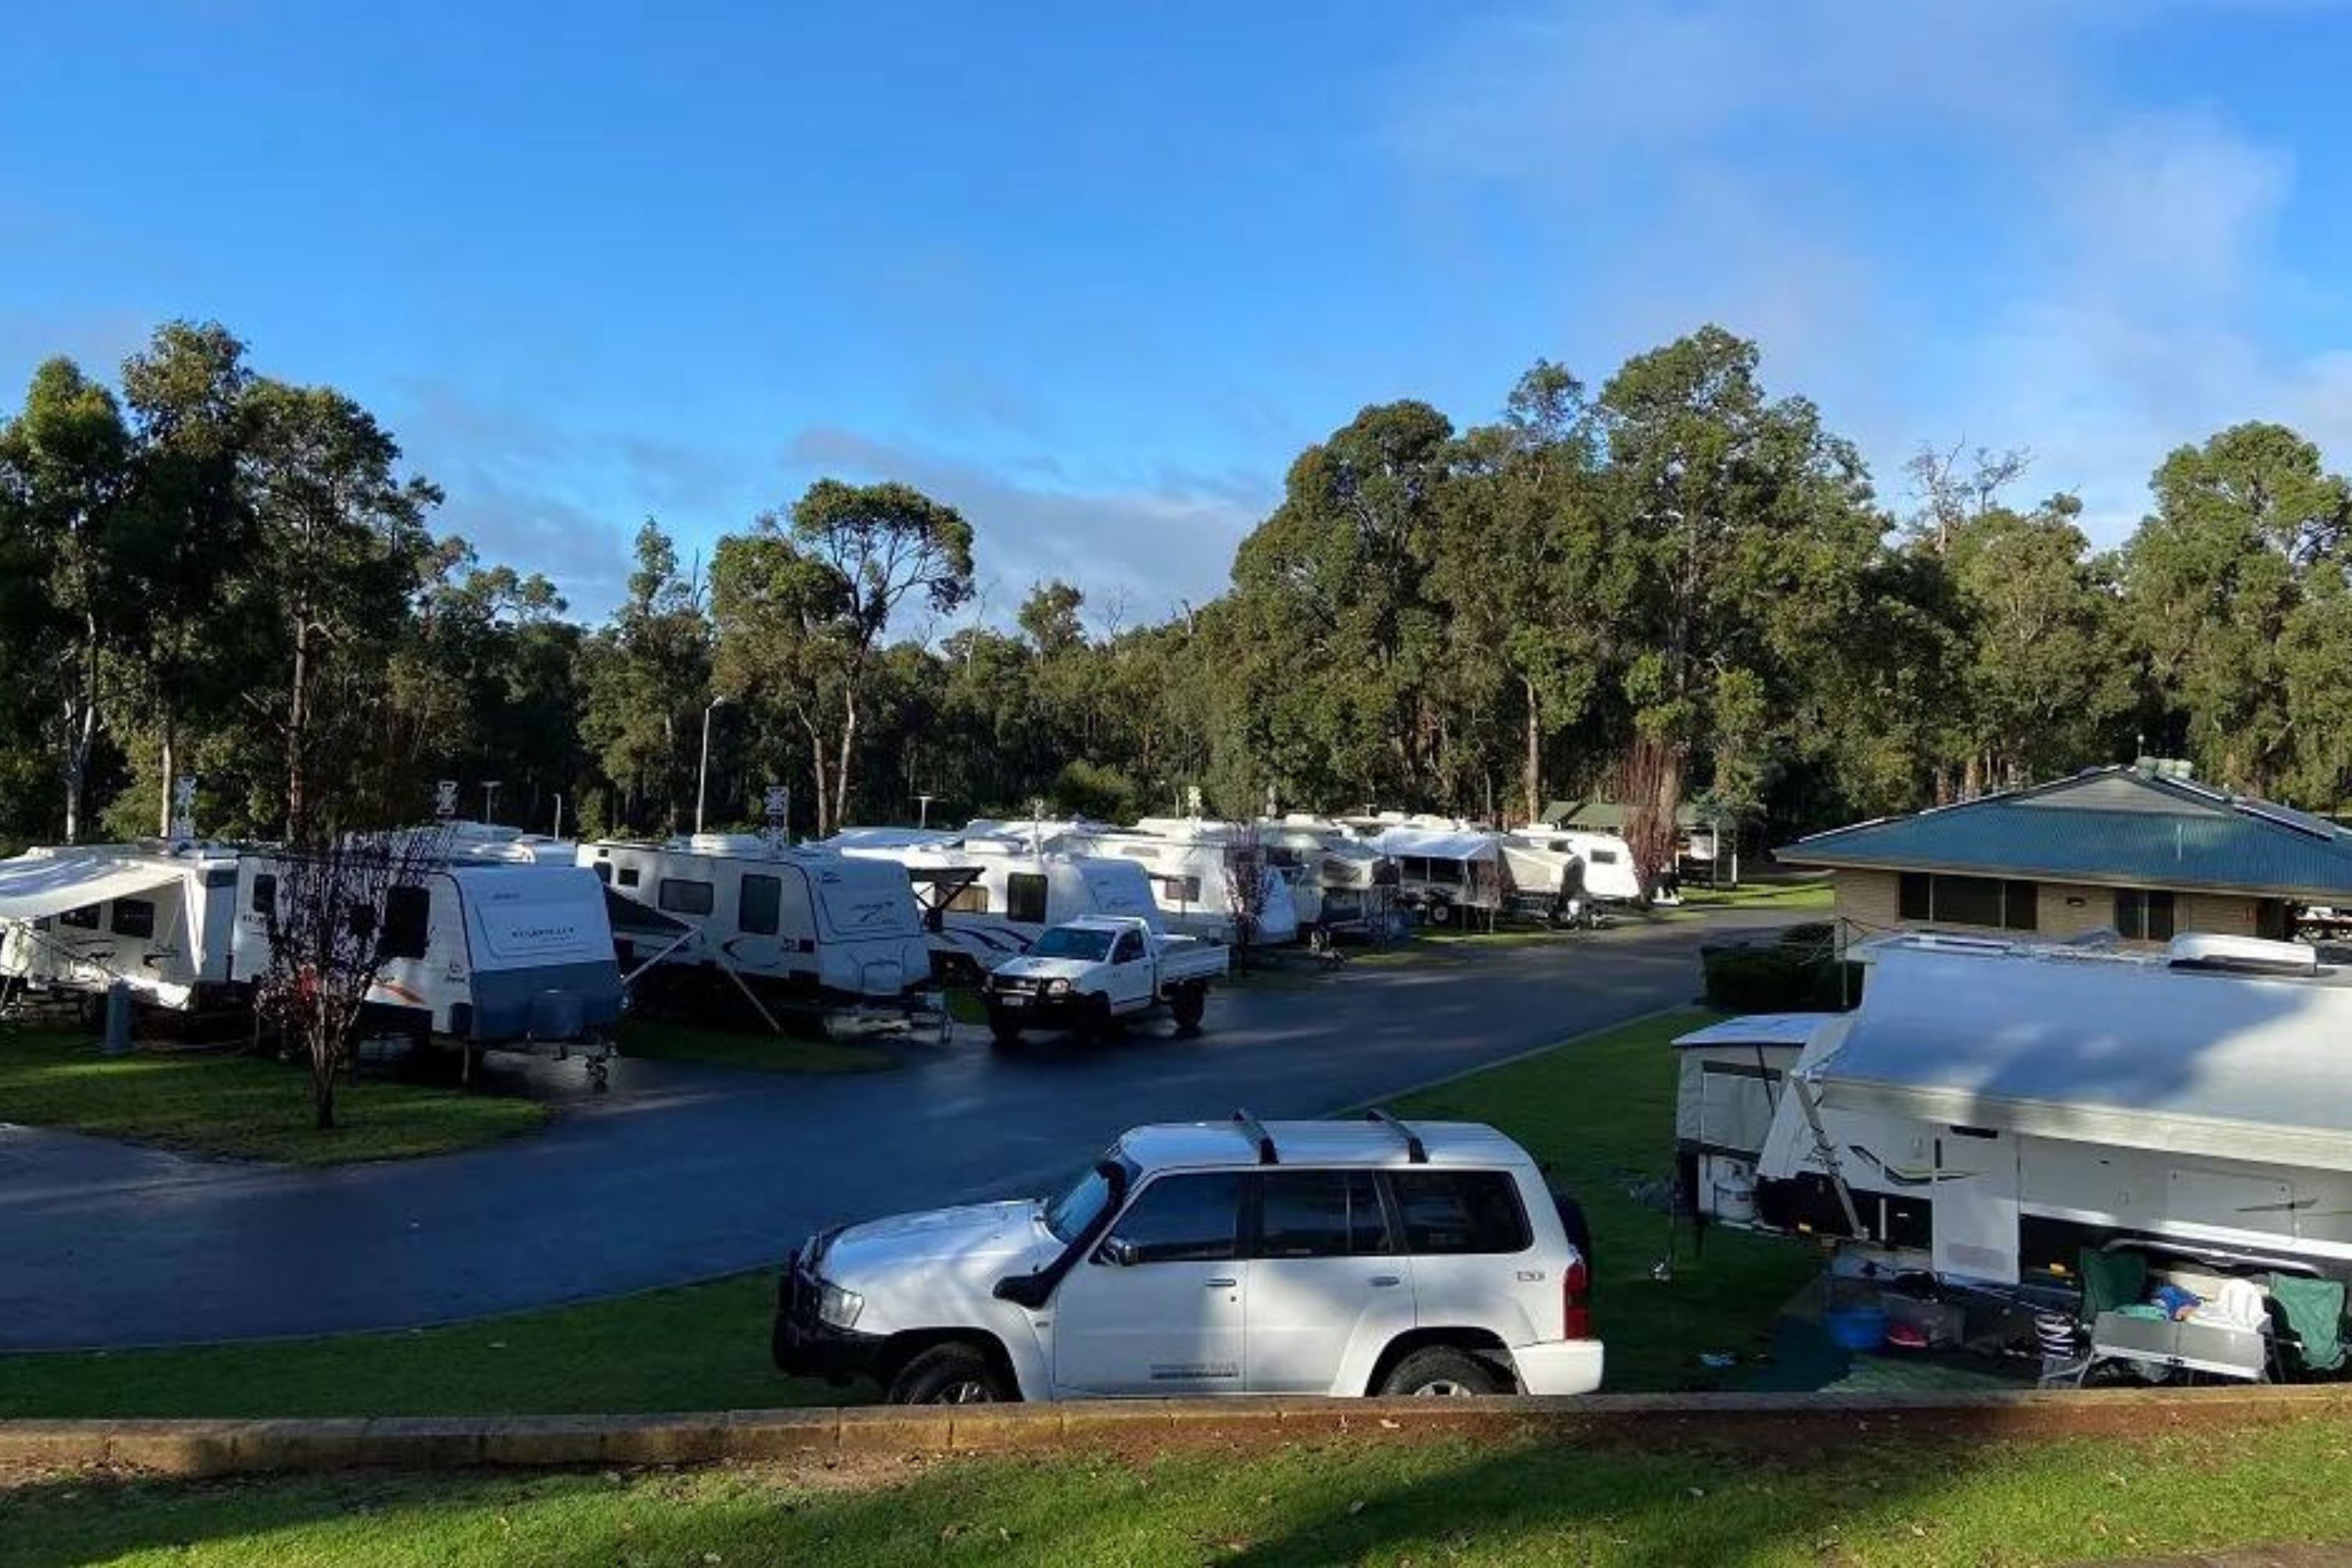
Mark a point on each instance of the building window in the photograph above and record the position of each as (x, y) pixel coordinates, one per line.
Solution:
(133, 916)
(1968, 900)
(407, 921)
(683, 896)
(1024, 897)
(2144, 914)
(760, 906)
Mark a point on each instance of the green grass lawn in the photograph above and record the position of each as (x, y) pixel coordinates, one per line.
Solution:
(699, 1347)
(1601, 1113)
(753, 1047)
(211, 1103)
(1888, 1502)
(1600, 1110)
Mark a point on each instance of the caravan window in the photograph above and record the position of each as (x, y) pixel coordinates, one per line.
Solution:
(133, 916)
(1024, 897)
(1413, 868)
(970, 901)
(265, 893)
(407, 921)
(683, 896)
(1445, 871)
(1183, 890)
(1604, 856)
(84, 918)
(761, 904)
(628, 875)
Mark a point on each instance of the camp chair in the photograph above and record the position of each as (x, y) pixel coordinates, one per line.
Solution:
(2110, 1279)
(2313, 1311)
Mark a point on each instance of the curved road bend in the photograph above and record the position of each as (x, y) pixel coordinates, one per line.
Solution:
(685, 1172)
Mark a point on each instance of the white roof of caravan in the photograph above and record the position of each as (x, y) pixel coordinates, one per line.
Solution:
(38, 885)
(850, 838)
(2136, 1056)
(1437, 845)
(1756, 1029)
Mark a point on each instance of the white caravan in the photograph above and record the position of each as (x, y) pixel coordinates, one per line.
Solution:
(986, 896)
(1197, 870)
(1728, 1080)
(1607, 859)
(482, 953)
(805, 921)
(1990, 1111)
(156, 917)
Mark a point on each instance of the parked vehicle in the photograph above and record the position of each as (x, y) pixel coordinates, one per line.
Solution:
(1091, 973)
(156, 917)
(1340, 885)
(1607, 860)
(986, 896)
(803, 922)
(1448, 874)
(1544, 884)
(1993, 1108)
(1326, 1258)
(481, 952)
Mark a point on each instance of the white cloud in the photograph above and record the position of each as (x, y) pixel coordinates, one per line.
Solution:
(1150, 545)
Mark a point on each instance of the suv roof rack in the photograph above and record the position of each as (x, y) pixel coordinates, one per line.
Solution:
(1415, 1151)
(1257, 1134)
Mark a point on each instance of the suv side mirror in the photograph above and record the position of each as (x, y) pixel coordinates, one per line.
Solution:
(1122, 1252)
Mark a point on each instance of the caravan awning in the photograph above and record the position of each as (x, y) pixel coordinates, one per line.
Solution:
(2101, 1050)
(36, 887)
(1431, 844)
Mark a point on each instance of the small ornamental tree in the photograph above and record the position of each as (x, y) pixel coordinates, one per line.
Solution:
(1245, 883)
(326, 915)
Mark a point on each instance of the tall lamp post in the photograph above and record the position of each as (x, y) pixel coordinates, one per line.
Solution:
(702, 774)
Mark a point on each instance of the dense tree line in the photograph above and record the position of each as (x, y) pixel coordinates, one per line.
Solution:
(1676, 586)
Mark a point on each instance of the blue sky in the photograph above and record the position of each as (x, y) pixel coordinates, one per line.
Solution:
(1096, 273)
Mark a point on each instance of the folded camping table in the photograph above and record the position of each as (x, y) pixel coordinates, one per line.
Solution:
(2184, 1346)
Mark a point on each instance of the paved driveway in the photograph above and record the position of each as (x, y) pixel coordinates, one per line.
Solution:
(685, 1172)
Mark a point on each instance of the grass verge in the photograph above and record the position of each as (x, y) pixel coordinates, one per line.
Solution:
(250, 1106)
(699, 1347)
(1894, 1501)
(1812, 893)
(660, 1039)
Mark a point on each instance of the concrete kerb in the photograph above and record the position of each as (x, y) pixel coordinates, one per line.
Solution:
(206, 1447)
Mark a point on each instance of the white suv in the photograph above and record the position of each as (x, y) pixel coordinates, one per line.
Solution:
(1346, 1258)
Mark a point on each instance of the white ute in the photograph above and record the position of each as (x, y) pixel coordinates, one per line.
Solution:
(1296, 1257)
(1090, 973)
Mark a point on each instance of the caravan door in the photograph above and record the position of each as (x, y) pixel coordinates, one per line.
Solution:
(1975, 1198)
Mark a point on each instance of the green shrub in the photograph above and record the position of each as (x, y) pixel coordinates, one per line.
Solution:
(1779, 977)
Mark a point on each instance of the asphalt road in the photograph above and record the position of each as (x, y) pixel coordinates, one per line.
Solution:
(683, 1173)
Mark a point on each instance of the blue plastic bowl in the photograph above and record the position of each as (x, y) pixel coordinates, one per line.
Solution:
(1856, 1327)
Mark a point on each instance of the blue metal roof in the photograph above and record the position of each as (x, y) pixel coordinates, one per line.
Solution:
(2114, 825)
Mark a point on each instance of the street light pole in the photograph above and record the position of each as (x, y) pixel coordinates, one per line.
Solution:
(702, 774)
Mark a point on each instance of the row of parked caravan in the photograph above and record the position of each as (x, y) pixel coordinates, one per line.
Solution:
(514, 936)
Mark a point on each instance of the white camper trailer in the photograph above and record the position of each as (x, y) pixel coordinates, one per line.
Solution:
(803, 921)
(1446, 873)
(1729, 1078)
(1607, 859)
(1986, 1114)
(1339, 884)
(987, 896)
(156, 917)
(480, 951)
(1199, 871)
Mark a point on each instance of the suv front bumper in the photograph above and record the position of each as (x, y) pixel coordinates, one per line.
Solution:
(802, 1345)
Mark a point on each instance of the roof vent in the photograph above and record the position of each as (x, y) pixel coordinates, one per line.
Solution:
(2242, 954)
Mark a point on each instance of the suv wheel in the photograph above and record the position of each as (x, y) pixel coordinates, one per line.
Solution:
(1003, 1028)
(949, 1374)
(1440, 1372)
(1187, 1006)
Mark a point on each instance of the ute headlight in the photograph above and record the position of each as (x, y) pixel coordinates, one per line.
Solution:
(1057, 988)
(837, 1308)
